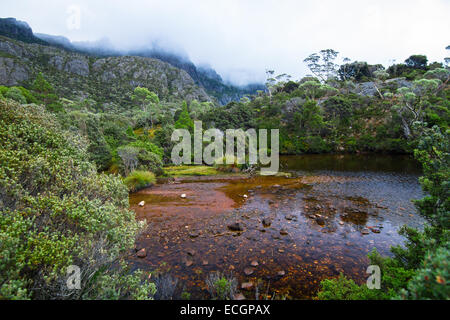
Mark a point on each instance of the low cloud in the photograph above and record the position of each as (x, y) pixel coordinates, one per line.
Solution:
(240, 39)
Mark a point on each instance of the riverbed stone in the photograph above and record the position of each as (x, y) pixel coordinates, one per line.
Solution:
(236, 226)
(291, 217)
(194, 234)
(248, 271)
(266, 222)
(239, 296)
(141, 253)
(320, 220)
(247, 285)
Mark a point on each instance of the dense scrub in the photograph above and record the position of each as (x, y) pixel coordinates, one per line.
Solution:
(57, 211)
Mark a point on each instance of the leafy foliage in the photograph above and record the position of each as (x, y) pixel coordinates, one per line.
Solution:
(56, 210)
(139, 179)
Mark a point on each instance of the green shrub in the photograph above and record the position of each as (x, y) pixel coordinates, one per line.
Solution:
(28, 96)
(56, 211)
(150, 161)
(139, 179)
(431, 280)
(343, 288)
(148, 146)
(15, 94)
(221, 287)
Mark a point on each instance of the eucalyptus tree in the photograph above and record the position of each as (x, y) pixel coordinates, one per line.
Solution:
(273, 82)
(147, 100)
(412, 102)
(380, 77)
(322, 64)
(447, 59)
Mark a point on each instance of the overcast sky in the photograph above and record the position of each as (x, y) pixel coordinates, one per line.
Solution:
(240, 39)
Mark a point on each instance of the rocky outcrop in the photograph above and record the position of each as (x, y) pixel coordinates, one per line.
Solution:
(211, 84)
(370, 88)
(108, 79)
(11, 72)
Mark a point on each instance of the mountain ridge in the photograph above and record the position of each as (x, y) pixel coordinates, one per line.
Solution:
(105, 80)
(205, 77)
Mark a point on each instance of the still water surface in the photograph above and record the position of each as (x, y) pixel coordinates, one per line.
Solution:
(296, 231)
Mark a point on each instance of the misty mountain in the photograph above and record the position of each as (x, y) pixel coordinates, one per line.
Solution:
(203, 76)
(20, 30)
(106, 80)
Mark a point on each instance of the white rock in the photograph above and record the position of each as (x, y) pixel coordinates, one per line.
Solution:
(183, 195)
(142, 203)
(245, 196)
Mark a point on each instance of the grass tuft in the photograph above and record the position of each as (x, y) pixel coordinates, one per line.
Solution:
(138, 179)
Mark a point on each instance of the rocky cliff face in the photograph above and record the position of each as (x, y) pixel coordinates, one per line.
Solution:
(102, 79)
(206, 78)
(10, 27)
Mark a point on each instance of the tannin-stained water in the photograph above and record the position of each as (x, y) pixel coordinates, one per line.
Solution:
(321, 222)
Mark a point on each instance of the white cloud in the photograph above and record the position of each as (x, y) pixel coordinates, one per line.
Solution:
(240, 39)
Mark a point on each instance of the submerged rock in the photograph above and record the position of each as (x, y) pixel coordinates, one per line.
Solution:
(291, 217)
(266, 222)
(320, 220)
(237, 226)
(194, 234)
